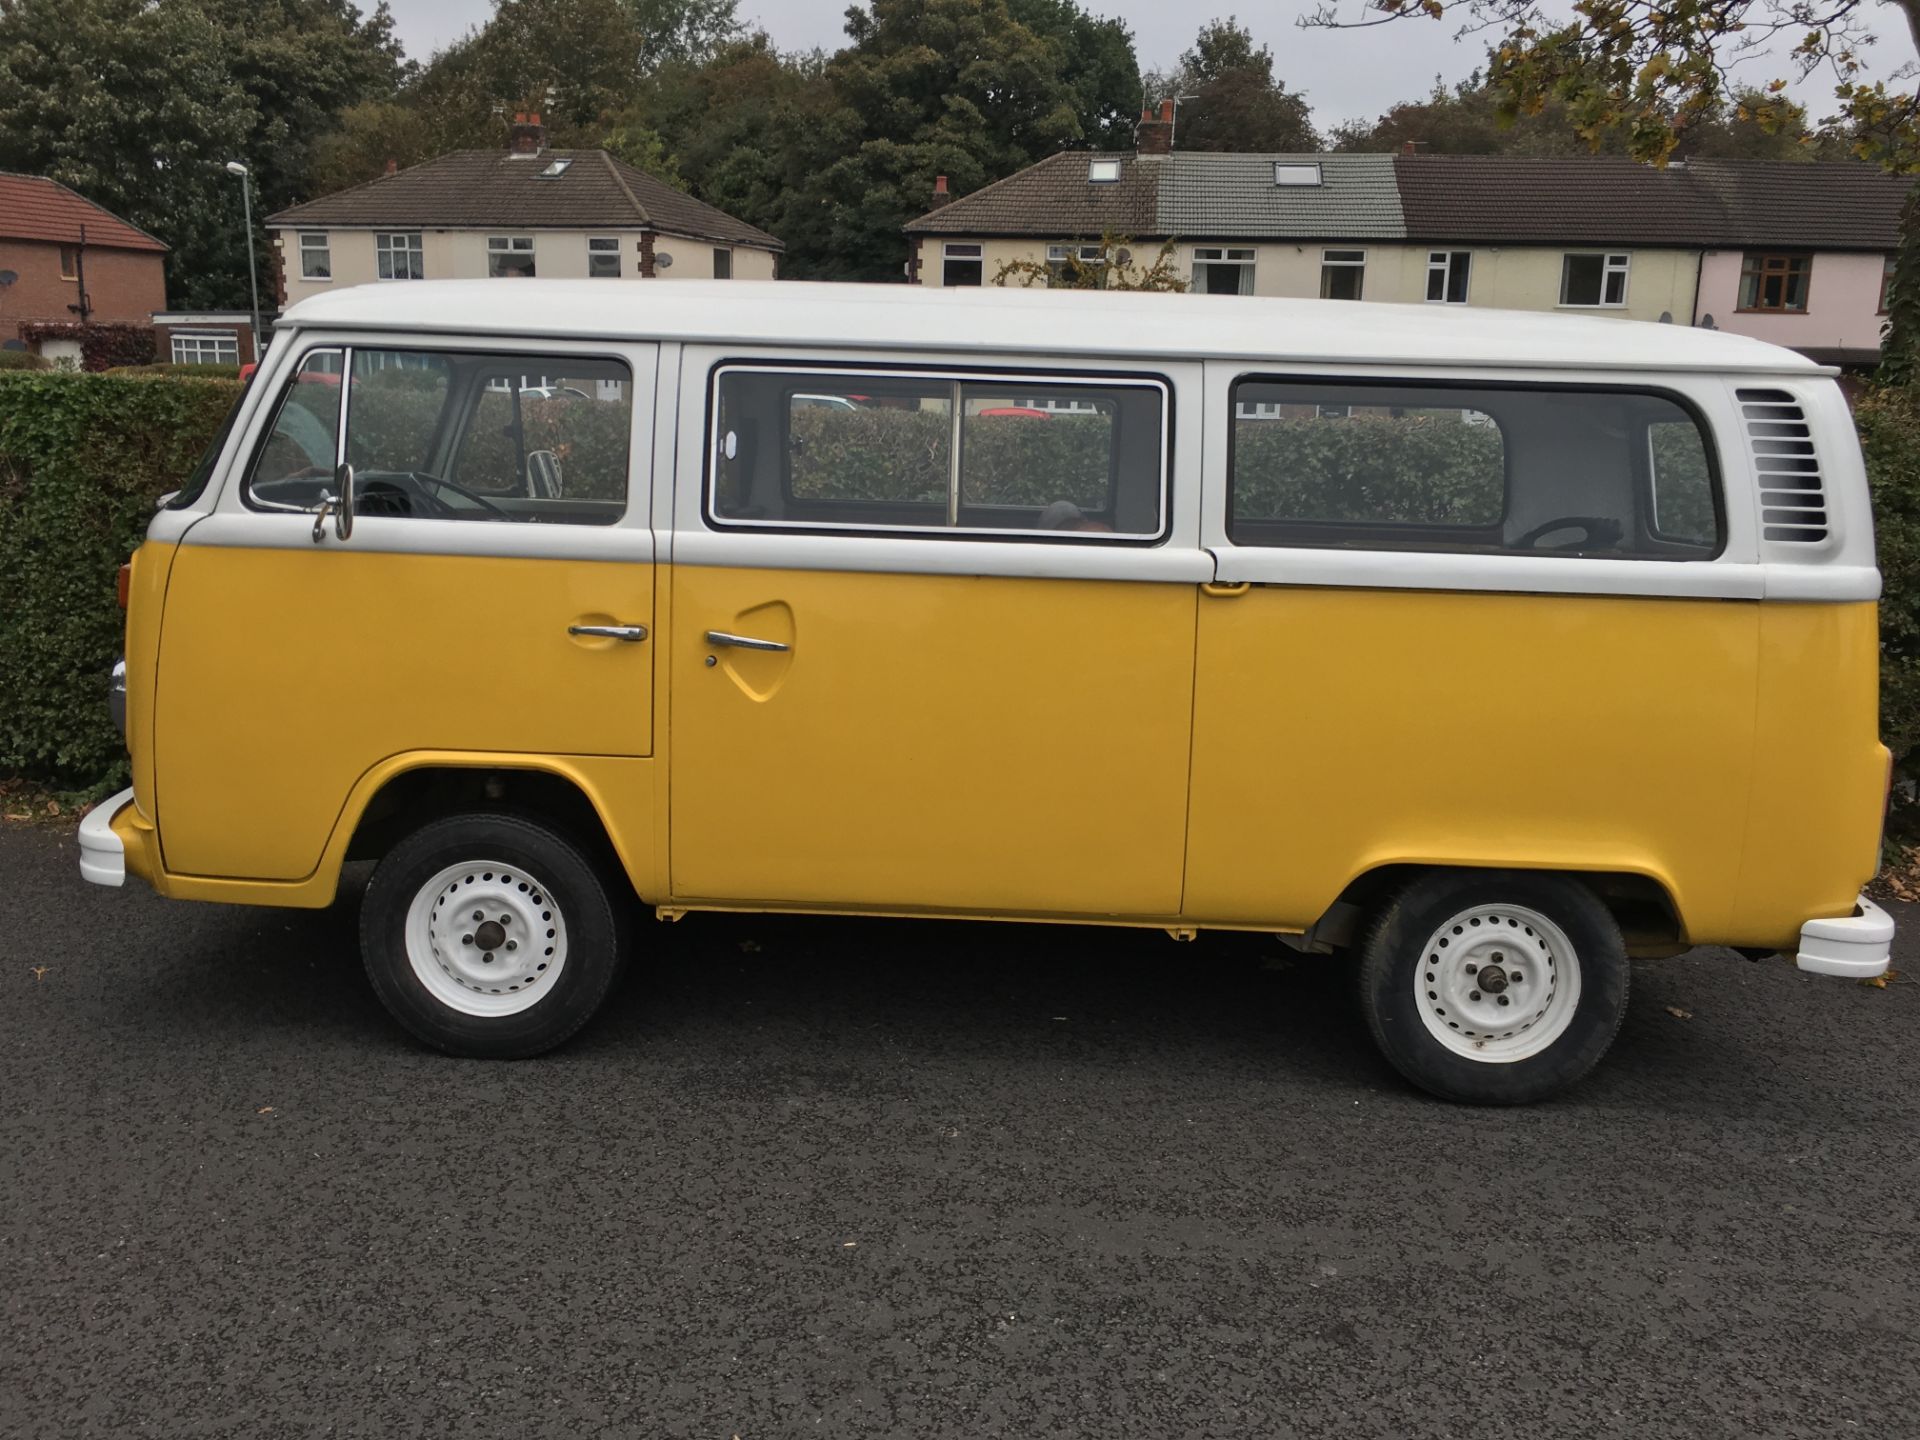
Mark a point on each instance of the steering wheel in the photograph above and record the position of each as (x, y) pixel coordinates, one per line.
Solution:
(372, 497)
(1597, 532)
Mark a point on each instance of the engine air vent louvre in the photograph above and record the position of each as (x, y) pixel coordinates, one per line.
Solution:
(1793, 503)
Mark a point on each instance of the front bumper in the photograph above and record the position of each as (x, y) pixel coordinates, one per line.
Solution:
(1856, 946)
(103, 854)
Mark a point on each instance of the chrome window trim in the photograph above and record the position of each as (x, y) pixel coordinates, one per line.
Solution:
(1015, 375)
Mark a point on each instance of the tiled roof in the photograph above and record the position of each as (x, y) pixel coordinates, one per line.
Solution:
(1516, 200)
(33, 208)
(1811, 207)
(1233, 196)
(1486, 199)
(474, 189)
(1054, 197)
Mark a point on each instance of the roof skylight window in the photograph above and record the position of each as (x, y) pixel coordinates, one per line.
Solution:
(1289, 174)
(555, 170)
(1102, 172)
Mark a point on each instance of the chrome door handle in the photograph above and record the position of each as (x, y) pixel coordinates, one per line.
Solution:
(630, 633)
(743, 642)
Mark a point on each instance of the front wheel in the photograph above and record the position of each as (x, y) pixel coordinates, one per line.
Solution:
(1494, 987)
(489, 936)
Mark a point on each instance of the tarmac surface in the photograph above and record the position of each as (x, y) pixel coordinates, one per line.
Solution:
(831, 1178)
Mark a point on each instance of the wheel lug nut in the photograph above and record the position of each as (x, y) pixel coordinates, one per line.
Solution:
(1503, 999)
(1474, 996)
(506, 919)
(488, 957)
(513, 944)
(1473, 969)
(478, 916)
(466, 939)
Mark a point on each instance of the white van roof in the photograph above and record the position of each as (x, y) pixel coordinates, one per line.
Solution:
(1056, 322)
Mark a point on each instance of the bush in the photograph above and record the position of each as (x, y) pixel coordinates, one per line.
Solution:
(194, 372)
(22, 360)
(1889, 422)
(82, 460)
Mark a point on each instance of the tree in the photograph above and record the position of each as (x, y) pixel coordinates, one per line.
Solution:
(1229, 99)
(684, 32)
(133, 105)
(1098, 62)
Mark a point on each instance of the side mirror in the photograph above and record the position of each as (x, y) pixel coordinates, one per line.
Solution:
(337, 503)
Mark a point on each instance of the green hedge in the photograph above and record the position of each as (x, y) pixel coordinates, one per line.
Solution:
(82, 460)
(1889, 422)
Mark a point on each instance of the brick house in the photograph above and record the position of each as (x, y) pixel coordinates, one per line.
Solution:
(70, 261)
(524, 211)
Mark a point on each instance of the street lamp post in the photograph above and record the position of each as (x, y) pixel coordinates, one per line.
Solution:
(234, 167)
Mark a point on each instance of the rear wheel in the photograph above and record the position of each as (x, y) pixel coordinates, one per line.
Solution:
(1494, 987)
(490, 936)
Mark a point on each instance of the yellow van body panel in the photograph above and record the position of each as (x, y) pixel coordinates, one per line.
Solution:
(1339, 730)
(288, 675)
(1819, 771)
(621, 790)
(146, 599)
(1001, 746)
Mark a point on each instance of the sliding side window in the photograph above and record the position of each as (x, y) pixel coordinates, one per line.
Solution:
(903, 452)
(1552, 470)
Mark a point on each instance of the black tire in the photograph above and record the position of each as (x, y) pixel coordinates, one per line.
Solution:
(1393, 954)
(594, 935)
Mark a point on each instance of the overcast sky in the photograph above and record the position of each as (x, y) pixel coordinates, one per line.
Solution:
(1345, 74)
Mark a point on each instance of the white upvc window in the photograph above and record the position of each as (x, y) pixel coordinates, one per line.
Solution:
(399, 255)
(1343, 274)
(603, 257)
(1448, 274)
(1596, 280)
(1222, 270)
(962, 263)
(316, 260)
(1059, 255)
(510, 256)
(206, 347)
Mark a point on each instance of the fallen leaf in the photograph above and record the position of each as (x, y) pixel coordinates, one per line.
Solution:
(1677, 1013)
(53, 807)
(849, 1244)
(1879, 982)
(264, 1110)
(40, 971)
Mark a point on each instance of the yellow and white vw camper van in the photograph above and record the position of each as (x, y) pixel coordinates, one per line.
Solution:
(1487, 649)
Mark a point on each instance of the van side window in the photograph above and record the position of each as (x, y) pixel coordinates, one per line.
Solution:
(916, 452)
(450, 435)
(1388, 465)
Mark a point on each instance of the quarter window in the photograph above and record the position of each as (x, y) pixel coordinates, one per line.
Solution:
(934, 453)
(1447, 274)
(1776, 283)
(1222, 270)
(1343, 274)
(603, 257)
(510, 257)
(961, 265)
(1596, 280)
(449, 435)
(316, 261)
(1540, 470)
(399, 255)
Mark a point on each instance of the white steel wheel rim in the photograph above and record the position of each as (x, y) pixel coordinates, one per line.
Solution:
(1497, 983)
(486, 938)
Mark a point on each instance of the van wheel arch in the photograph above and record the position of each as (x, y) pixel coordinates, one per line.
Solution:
(1641, 905)
(423, 794)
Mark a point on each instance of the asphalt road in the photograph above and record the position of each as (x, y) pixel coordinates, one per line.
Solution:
(812, 1177)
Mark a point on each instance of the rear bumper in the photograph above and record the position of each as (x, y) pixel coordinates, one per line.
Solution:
(103, 854)
(1856, 946)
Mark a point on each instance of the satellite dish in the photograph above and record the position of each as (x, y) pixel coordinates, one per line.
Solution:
(663, 261)
(13, 345)
(7, 277)
(1666, 317)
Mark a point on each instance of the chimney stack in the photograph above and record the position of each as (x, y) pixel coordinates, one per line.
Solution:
(940, 195)
(526, 136)
(1154, 134)
(393, 166)
(1412, 147)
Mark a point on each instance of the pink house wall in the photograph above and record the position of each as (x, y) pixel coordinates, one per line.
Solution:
(1843, 303)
